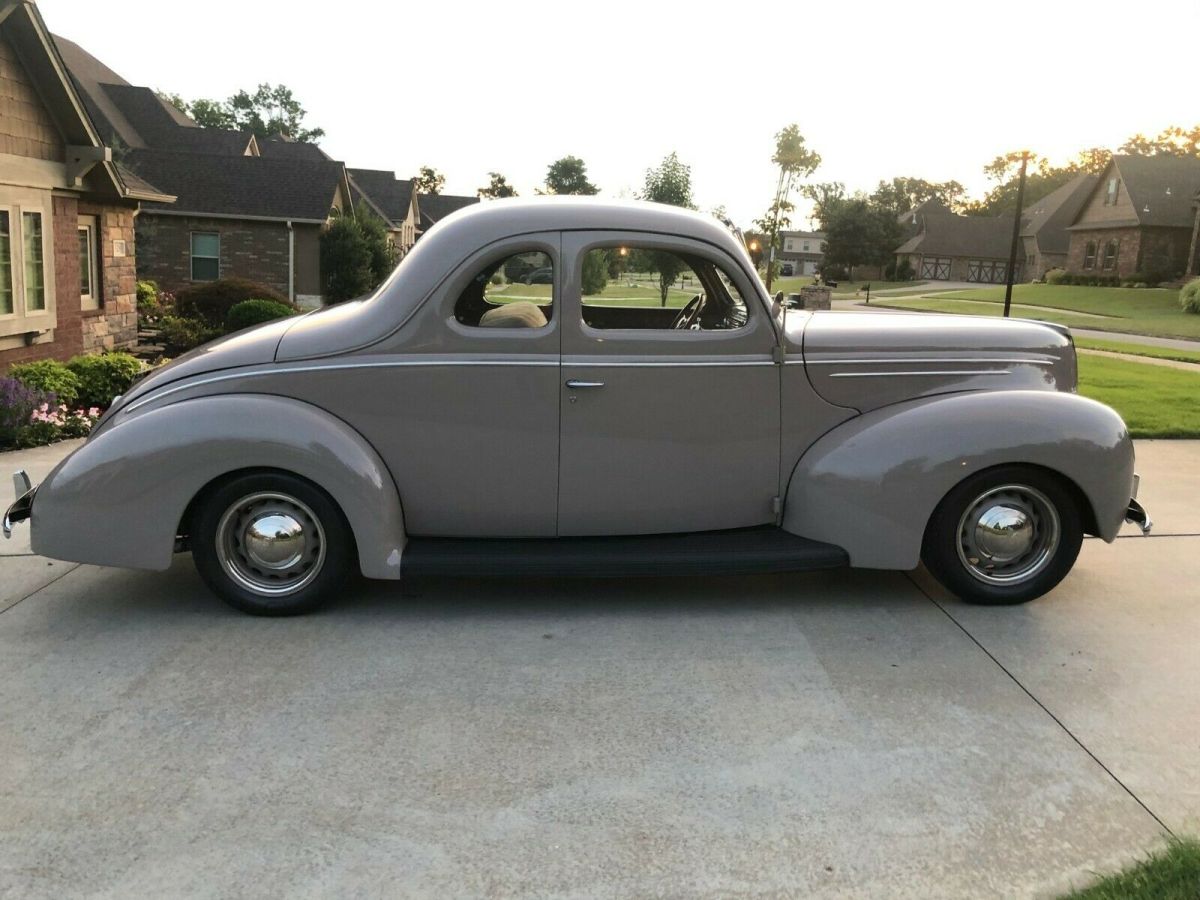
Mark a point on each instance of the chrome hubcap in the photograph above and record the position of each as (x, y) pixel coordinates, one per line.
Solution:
(1008, 534)
(270, 543)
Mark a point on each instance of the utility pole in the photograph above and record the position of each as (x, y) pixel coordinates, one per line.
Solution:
(1016, 238)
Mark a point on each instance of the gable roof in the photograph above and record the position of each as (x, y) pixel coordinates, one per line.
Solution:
(434, 207)
(925, 207)
(241, 186)
(1162, 187)
(1048, 218)
(392, 196)
(159, 124)
(282, 148)
(947, 234)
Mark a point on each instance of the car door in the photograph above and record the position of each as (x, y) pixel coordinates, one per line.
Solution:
(662, 430)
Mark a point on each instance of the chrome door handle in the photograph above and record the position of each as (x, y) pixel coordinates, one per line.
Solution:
(574, 384)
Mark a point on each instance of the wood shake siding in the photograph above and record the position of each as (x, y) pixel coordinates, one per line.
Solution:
(25, 127)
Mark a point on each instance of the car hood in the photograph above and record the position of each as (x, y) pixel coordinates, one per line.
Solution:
(868, 360)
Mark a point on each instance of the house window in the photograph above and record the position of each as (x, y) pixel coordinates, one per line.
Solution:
(206, 256)
(787, 245)
(1110, 194)
(1089, 255)
(35, 263)
(26, 278)
(806, 246)
(89, 287)
(1110, 255)
(6, 269)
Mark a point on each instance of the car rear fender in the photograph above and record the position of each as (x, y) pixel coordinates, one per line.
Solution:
(120, 498)
(871, 484)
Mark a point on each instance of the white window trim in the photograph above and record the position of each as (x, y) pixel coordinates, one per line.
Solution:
(192, 257)
(23, 321)
(92, 300)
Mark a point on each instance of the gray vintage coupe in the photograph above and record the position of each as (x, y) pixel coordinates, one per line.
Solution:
(573, 386)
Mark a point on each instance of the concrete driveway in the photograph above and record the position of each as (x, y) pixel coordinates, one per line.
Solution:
(836, 734)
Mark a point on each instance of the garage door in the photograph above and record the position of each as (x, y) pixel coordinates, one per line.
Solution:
(988, 271)
(935, 268)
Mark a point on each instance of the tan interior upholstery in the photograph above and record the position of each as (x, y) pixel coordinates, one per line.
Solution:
(518, 314)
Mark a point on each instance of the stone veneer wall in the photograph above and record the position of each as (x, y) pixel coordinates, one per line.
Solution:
(114, 325)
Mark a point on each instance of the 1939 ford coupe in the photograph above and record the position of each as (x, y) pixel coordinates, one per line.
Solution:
(575, 386)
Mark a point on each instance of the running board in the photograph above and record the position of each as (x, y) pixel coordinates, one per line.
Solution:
(739, 552)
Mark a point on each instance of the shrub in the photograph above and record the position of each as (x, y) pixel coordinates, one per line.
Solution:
(17, 403)
(101, 378)
(255, 312)
(1189, 296)
(345, 261)
(180, 334)
(497, 279)
(48, 376)
(1056, 276)
(147, 292)
(211, 301)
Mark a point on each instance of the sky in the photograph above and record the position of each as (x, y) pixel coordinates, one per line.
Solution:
(923, 89)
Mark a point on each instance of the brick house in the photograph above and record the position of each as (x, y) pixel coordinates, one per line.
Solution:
(1044, 237)
(244, 206)
(393, 199)
(67, 235)
(1140, 219)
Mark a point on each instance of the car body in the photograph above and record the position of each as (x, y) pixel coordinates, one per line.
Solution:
(398, 434)
(544, 275)
(787, 269)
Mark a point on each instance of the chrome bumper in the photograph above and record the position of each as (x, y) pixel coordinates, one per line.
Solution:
(1139, 517)
(21, 510)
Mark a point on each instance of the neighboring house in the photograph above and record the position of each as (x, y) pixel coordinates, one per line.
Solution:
(1139, 219)
(803, 250)
(949, 247)
(250, 217)
(1044, 236)
(245, 207)
(392, 199)
(435, 207)
(67, 243)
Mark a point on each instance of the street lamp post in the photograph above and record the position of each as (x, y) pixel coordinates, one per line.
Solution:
(1016, 237)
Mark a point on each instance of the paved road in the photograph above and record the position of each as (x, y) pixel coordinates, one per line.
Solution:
(836, 734)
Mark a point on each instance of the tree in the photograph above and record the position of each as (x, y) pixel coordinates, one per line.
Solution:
(902, 194)
(1171, 141)
(345, 261)
(569, 176)
(271, 111)
(356, 255)
(823, 196)
(496, 188)
(210, 114)
(429, 181)
(859, 232)
(379, 243)
(795, 160)
(594, 277)
(670, 183)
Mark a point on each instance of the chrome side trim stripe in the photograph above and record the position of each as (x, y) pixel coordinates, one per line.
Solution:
(684, 364)
(921, 374)
(944, 361)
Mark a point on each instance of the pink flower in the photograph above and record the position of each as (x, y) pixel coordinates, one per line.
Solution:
(94, 412)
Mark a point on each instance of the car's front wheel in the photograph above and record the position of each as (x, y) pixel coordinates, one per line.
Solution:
(271, 544)
(1005, 535)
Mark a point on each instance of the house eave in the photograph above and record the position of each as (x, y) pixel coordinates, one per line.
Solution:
(296, 220)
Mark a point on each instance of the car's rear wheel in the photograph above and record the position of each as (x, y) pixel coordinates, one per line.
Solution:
(1005, 535)
(271, 544)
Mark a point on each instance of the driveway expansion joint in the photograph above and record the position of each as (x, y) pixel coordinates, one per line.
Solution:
(54, 580)
(1057, 721)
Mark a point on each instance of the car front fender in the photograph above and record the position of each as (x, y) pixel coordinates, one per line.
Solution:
(120, 498)
(871, 484)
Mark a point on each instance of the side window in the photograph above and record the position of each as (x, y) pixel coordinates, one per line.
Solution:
(645, 288)
(514, 292)
(206, 256)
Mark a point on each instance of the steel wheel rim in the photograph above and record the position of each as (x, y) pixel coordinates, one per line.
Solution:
(270, 543)
(1008, 534)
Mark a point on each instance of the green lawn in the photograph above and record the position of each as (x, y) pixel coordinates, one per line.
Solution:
(1154, 401)
(622, 293)
(793, 285)
(1170, 874)
(1138, 349)
(966, 308)
(1153, 311)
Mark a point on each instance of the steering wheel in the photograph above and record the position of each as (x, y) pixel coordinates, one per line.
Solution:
(689, 316)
